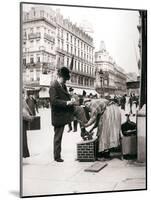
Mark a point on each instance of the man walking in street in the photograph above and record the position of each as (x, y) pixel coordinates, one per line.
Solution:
(131, 103)
(62, 109)
(32, 103)
(123, 102)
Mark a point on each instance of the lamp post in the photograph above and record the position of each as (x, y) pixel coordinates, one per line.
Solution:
(101, 80)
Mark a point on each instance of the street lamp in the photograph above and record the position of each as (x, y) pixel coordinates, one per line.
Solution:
(101, 79)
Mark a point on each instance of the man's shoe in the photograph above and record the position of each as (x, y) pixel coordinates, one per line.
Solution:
(59, 160)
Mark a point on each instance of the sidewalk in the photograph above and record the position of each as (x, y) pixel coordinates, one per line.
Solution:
(43, 176)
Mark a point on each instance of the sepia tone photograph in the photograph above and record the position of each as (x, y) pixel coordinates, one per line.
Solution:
(83, 96)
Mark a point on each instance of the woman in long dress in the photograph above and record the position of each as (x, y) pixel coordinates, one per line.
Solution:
(109, 123)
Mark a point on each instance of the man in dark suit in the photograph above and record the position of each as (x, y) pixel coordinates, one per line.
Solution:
(32, 103)
(62, 109)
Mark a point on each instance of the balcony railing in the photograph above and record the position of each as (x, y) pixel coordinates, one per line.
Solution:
(83, 73)
(41, 18)
(34, 35)
(61, 50)
(49, 38)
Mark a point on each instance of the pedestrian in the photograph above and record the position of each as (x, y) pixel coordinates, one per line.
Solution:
(116, 99)
(131, 103)
(27, 118)
(75, 122)
(31, 101)
(108, 118)
(61, 109)
(35, 103)
(137, 101)
(123, 102)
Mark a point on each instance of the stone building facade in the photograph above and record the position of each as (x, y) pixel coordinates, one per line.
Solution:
(73, 41)
(39, 48)
(49, 42)
(113, 77)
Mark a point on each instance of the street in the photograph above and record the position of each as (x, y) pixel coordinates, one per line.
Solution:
(43, 176)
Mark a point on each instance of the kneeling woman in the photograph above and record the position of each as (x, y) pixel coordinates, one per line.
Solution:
(108, 118)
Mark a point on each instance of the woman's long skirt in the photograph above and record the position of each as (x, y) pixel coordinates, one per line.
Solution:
(109, 128)
(25, 144)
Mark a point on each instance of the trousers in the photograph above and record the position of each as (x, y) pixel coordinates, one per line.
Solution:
(57, 141)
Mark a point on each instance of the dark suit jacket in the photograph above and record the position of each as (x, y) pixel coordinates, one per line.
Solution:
(32, 106)
(61, 114)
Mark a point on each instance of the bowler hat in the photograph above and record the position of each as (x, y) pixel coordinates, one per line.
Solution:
(64, 72)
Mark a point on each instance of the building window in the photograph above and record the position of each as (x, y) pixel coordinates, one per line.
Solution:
(27, 16)
(58, 32)
(58, 43)
(62, 44)
(67, 48)
(61, 33)
(48, 58)
(41, 13)
(82, 67)
(67, 36)
(71, 38)
(75, 51)
(24, 33)
(38, 59)
(75, 64)
(78, 66)
(31, 60)
(31, 30)
(24, 61)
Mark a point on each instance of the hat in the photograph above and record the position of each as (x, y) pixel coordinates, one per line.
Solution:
(71, 89)
(64, 72)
